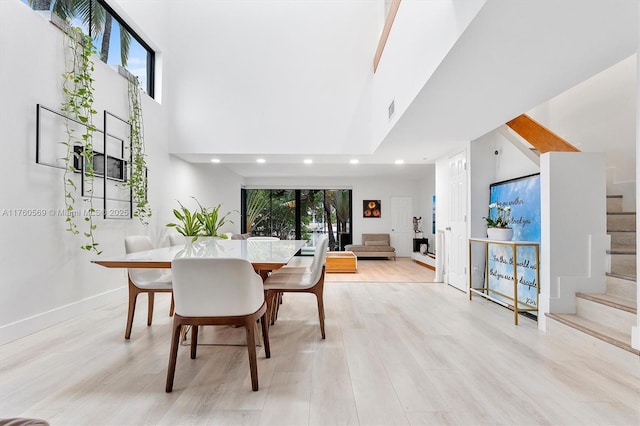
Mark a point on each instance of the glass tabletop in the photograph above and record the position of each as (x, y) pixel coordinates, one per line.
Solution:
(257, 252)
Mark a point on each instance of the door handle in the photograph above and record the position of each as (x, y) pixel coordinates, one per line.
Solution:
(448, 228)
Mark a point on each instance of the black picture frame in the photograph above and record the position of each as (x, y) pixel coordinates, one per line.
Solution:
(371, 209)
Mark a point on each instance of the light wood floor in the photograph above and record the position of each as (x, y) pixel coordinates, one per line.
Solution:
(401, 270)
(395, 353)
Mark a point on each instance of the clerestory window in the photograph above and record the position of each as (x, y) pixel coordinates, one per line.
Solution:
(115, 42)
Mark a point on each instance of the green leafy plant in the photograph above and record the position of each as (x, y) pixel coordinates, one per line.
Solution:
(138, 165)
(212, 221)
(190, 223)
(501, 218)
(78, 106)
(203, 222)
(257, 203)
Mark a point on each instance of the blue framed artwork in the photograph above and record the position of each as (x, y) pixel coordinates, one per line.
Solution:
(522, 195)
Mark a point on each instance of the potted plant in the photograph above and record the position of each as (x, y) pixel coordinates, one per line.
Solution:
(211, 220)
(204, 222)
(498, 224)
(190, 224)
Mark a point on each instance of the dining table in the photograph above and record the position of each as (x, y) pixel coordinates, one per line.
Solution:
(265, 256)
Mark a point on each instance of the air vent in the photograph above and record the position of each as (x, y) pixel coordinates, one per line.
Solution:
(392, 108)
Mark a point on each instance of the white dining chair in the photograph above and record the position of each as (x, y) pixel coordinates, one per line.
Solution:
(304, 282)
(217, 292)
(148, 281)
(298, 269)
(302, 269)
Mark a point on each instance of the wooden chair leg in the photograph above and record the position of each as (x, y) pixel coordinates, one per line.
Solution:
(194, 341)
(272, 306)
(133, 296)
(266, 298)
(274, 301)
(264, 322)
(150, 308)
(279, 302)
(321, 312)
(173, 354)
(250, 326)
(173, 306)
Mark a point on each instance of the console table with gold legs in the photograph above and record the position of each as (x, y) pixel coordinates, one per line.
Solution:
(512, 302)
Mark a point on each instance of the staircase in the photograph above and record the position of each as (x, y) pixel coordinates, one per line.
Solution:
(611, 315)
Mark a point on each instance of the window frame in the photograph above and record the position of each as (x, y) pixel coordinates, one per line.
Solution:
(298, 211)
(151, 54)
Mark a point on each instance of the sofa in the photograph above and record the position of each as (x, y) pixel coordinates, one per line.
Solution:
(373, 245)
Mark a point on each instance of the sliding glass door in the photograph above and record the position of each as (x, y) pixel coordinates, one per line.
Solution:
(303, 214)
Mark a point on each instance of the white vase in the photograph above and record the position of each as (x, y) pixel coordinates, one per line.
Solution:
(500, 234)
(201, 238)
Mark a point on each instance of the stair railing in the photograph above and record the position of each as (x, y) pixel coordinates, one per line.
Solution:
(541, 138)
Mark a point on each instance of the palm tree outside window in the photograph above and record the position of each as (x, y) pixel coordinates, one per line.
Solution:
(299, 214)
(116, 43)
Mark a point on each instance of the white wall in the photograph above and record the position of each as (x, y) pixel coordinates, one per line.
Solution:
(280, 73)
(46, 278)
(573, 242)
(599, 115)
(422, 35)
(210, 184)
(482, 173)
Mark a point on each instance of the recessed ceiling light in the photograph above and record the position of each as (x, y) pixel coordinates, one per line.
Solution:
(215, 160)
(399, 161)
(261, 160)
(354, 161)
(308, 161)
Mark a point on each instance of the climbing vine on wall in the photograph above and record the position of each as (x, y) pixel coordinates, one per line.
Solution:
(77, 105)
(138, 165)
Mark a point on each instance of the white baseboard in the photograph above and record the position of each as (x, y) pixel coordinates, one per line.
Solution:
(635, 338)
(427, 260)
(35, 323)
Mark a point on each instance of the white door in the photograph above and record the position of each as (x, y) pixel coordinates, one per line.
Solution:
(456, 232)
(402, 225)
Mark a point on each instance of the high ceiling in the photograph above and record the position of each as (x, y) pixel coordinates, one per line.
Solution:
(289, 80)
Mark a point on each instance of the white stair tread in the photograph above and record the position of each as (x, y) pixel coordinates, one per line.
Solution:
(615, 337)
(621, 276)
(611, 300)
